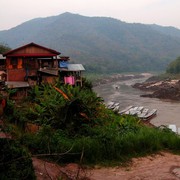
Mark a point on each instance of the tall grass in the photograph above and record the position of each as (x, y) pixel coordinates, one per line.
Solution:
(105, 147)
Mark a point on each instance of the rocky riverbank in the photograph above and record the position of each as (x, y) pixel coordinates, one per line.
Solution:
(167, 89)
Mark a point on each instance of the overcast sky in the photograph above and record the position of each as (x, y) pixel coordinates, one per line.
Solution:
(161, 12)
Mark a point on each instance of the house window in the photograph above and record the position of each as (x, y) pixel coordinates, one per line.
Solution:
(14, 62)
(29, 63)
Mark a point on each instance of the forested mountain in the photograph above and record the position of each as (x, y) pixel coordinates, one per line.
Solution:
(101, 44)
(174, 32)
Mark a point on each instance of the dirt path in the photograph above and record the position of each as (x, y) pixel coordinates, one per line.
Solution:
(164, 166)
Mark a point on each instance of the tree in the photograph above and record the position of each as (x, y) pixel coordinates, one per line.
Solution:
(174, 67)
(4, 48)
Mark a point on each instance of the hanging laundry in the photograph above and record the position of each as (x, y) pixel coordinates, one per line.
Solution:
(69, 80)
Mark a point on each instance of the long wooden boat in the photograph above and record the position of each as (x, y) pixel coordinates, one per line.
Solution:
(150, 114)
(143, 113)
(114, 105)
(116, 108)
(124, 110)
(139, 111)
(110, 104)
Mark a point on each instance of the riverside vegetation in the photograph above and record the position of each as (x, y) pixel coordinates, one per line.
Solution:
(74, 125)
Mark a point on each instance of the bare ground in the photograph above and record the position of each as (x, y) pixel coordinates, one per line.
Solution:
(163, 166)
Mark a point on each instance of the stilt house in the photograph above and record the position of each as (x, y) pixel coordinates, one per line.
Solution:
(33, 64)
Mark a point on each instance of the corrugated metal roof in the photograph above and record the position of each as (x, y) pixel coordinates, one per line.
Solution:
(75, 67)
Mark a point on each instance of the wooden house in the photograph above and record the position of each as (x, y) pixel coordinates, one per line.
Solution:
(33, 64)
(25, 65)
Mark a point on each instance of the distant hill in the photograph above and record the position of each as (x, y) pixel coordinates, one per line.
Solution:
(101, 44)
(174, 32)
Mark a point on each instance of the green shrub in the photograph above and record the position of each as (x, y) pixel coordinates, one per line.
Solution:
(82, 123)
(15, 162)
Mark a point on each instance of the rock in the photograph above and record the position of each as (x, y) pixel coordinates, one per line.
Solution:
(168, 89)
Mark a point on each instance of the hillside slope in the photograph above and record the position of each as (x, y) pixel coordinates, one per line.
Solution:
(102, 44)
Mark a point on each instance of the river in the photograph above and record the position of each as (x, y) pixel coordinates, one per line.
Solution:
(167, 111)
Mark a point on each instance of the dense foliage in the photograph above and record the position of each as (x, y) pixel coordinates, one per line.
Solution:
(46, 106)
(15, 162)
(174, 67)
(103, 45)
(73, 121)
(4, 48)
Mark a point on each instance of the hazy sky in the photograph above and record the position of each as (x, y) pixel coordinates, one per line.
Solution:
(161, 12)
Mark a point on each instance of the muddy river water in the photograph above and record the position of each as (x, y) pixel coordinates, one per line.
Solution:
(168, 112)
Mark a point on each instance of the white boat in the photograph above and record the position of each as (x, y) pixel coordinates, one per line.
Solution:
(116, 108)
(140, 111)
(173, 127)
(110, 104)
(133, 111)
(114, 105)
(150, 114)
(124, 110)
(129, 110)
(140, 108)
(143, 113)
